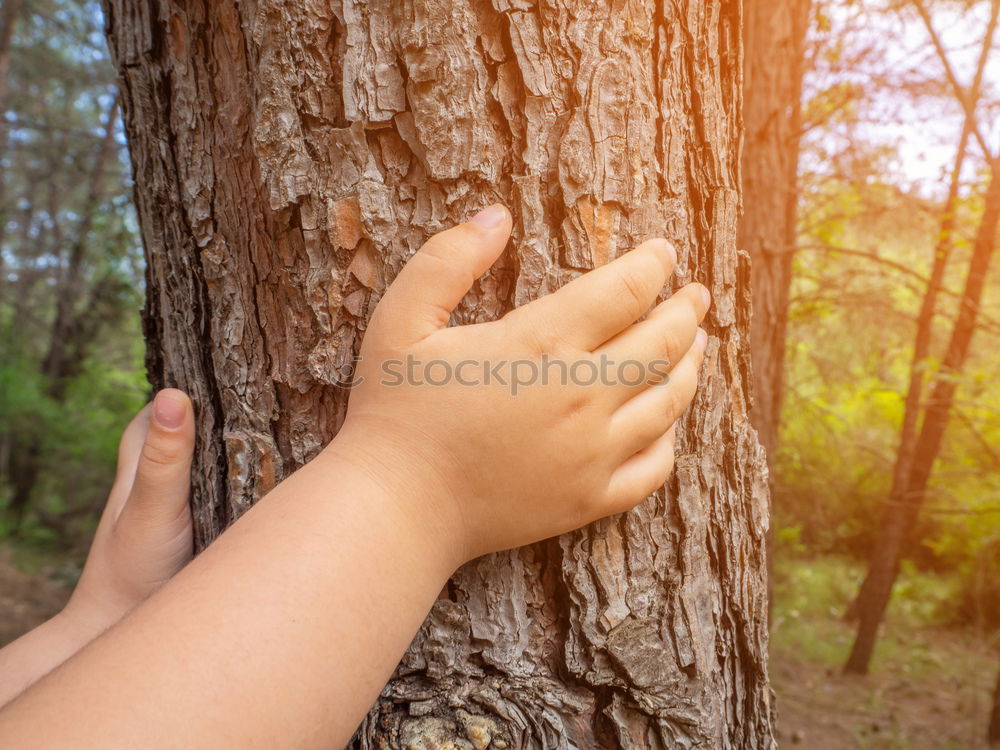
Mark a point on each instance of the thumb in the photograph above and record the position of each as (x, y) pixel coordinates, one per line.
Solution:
(163, 475)
(433, 282)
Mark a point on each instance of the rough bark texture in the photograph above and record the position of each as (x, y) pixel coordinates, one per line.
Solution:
(290, 156)
(775, 34)
(993, 731)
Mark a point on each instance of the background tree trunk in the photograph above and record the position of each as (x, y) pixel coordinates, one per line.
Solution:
(775, 36)
(9, 14)
(289, 157)
(993, 731)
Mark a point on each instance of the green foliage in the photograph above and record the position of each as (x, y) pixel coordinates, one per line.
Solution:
(849, 352)
(65, 397)
(78, 441)
(866, 244)
(812, 596)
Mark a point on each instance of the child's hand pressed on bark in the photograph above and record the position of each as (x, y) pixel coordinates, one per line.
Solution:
(502, 456)
(142, 540)
(315, 592)
(145, 535)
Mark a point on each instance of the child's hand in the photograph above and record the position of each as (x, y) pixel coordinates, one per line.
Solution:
(499, 468)
(354, 548)
(144, 535)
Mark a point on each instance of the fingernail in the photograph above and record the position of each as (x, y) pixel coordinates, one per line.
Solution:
(672, 251)
(490, 217)
(702, 339)
(168, 412)
(706, 297)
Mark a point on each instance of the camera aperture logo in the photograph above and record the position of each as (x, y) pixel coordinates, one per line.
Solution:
(513, 374)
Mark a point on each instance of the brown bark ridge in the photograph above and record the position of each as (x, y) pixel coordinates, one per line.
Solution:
(289, 157)
(993, 731)
(774, 36)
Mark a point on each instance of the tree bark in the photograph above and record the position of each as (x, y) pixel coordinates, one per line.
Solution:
(993, 731)
(289, 157)
(775, 37)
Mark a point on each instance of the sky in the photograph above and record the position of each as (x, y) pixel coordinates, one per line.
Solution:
(893, 46)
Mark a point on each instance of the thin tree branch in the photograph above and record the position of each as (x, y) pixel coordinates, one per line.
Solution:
(966, 97)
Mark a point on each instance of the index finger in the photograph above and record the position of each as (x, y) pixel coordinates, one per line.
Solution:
(594, 307)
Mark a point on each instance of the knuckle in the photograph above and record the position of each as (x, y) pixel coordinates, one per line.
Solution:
(634, 288)
(538, 339)
(690, 319)
(576, 407)
(160, 453)
(675, 406)
(671, 340)
(430, 261)
(446, 245)
(589, 508)
(541, 341)
(670, 408)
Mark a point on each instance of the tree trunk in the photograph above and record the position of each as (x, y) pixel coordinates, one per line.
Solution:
(289, 157)
(9, 15)
(913, 405)
(775, 35)
(993, 732)
(8, 20)
(66, 351)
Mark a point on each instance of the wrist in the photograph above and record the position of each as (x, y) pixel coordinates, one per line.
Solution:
(85, 616)
(409, 485)
(78, 625)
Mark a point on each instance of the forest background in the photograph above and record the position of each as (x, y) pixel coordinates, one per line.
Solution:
(881, 125)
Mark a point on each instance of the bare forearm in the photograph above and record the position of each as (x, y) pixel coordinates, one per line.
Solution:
(280, 635)
(38, 652)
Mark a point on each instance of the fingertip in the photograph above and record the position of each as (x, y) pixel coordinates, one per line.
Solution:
(706, 297)
(171, 408)
(672, 252)
(701, 340)
(664, 252)
(492, 217)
